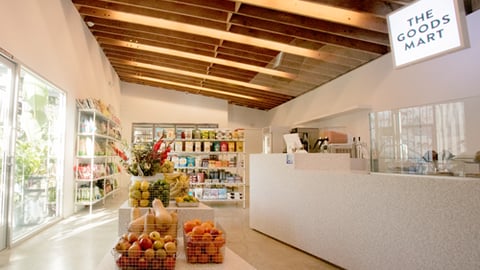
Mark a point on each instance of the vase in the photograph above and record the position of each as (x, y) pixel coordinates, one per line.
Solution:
(144, 189)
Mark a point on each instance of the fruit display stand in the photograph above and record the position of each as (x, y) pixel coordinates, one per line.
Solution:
(201, 211)
(231, 262)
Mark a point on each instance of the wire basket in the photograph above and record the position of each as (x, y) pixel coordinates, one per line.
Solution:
(143, 190)
(204, 245)
(145, 252)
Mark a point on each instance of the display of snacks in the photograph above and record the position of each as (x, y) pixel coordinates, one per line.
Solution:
(204, 242)
(143, 191)
(146, 251)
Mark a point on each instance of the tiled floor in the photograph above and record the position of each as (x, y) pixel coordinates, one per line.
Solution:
(81, 241)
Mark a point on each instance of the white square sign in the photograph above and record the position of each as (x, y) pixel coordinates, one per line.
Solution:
(425, 29)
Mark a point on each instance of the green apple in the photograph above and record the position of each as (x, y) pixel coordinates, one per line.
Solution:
(155, 236)
(149, 254)
(161, 253)
(158, 244)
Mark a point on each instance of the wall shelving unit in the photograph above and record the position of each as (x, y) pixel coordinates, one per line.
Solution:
(213, 158)
(96, 165)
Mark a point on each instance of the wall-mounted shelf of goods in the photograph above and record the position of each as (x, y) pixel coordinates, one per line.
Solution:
(96, 165)
(214, 159)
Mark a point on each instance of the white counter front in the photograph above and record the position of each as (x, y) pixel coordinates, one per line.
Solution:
(368, 221)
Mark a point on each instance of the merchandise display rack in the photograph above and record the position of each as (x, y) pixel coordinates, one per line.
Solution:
(96, 166)
(212, 157)
(222, 172)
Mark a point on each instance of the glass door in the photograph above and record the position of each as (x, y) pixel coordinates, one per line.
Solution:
(7, 69)
(39, 153)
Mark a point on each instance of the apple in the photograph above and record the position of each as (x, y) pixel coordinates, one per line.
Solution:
(161, 253)
(122, 246)
(134, 251)
(155, 236)
(168, 238)
(132, 237)
(158, 244)
(145, 243)
(170, 248)
(143, 235)
(149, 254)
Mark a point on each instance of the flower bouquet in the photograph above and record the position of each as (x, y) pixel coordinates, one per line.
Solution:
(146, 162)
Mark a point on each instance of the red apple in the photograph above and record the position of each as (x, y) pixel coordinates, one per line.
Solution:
(145, 243)
(134, 251)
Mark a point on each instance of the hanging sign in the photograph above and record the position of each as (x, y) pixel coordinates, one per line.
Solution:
(425, 29)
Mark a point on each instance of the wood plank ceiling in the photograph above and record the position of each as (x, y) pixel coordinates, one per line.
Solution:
(253, 53)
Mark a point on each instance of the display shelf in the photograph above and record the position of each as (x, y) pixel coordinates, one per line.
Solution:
(96, 169)
(202, 151)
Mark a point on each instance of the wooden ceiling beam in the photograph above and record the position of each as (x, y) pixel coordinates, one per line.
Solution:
(299, 32)
(108, 8)
(154, 30)
(193, 28)
(324, 12)
(315, 24)
(176, 7)
(375, 7)
(154, 39)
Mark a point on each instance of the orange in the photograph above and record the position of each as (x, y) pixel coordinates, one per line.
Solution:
(198, 230)
(207, 237)
(206, 226)
(188, 226)
(219, 241)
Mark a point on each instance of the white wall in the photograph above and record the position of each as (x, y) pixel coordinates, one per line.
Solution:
(243, 117)
(49, 38)
(155, 105)
(378, 86)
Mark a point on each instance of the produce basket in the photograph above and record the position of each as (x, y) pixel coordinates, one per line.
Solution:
(204, 242)
(144, 253)
(143, 190)
(150, 242)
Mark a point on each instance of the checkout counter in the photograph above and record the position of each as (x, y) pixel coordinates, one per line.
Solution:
(325, 206)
